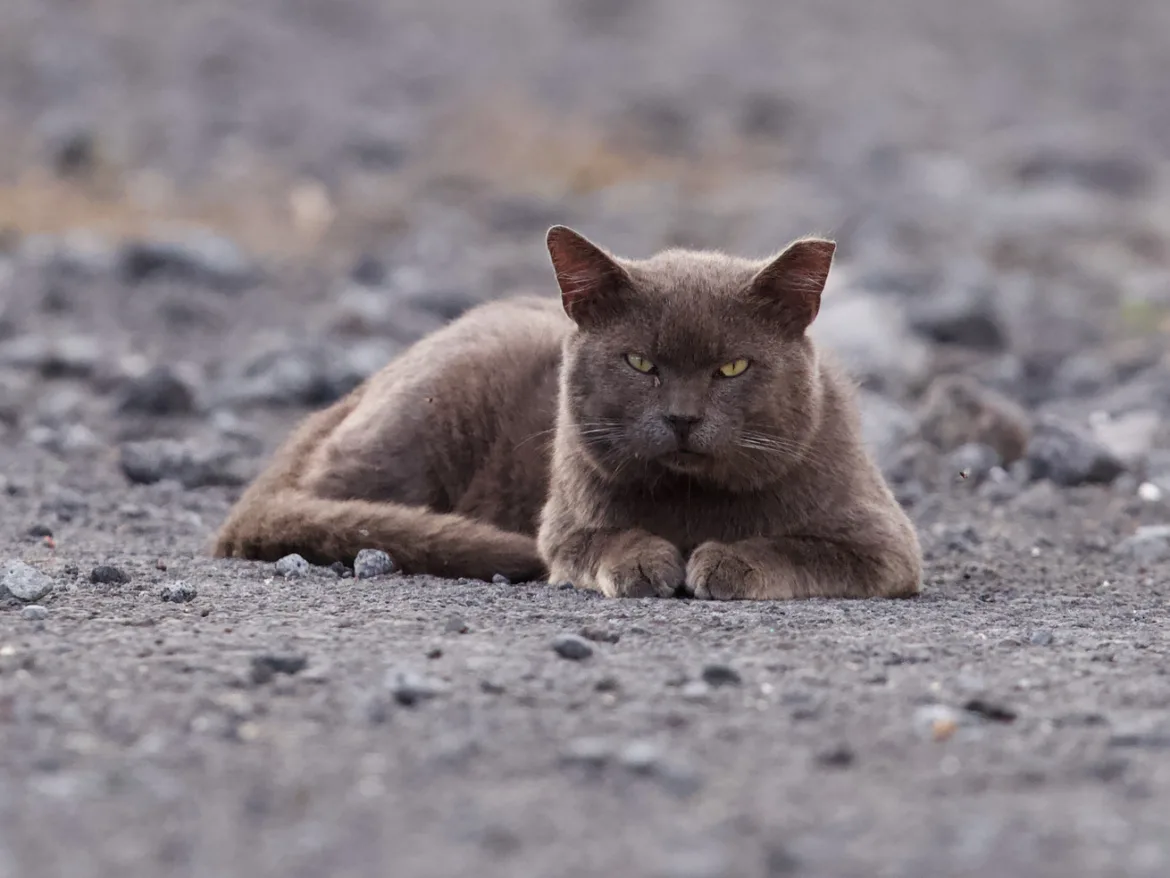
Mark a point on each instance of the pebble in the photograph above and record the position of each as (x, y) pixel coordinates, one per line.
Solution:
(200, 257)
(160, 391)
(35, 613)
(39, 532)
(590, 752)
(292, 566)
(145, 463)
(717, 674)
(455, 625)
(178, 593)
(501, 579)
(836, 756)
(371, 563)
(1068, 457)
(641, 757)
(600, 635)
(341, 570)
(23, 582)
(70, 356)
(1041, 637)
(572, 647)
(267, 666)
(106, 574)
(990, 710)
(1149, 492)
(1149, 544)
(695, 690)
(410, 689)
(963, 314)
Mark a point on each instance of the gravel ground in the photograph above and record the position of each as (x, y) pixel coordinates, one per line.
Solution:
(222, 216)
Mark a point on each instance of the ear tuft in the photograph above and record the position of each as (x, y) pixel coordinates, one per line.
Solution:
(790, 286)
(590, 280)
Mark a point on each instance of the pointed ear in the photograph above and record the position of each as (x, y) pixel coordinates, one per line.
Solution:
(591, 281)
(789, 288)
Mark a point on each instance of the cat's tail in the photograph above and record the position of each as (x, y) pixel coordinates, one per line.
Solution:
(420, 541)
(276, 517)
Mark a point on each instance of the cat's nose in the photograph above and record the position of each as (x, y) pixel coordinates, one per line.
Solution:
(681, 424)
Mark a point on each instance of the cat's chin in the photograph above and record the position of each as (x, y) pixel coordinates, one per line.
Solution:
(687, 462)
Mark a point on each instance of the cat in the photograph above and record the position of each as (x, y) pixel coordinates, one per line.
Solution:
(667, 428)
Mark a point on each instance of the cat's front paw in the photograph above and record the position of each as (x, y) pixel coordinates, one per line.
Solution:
(650, 568)
(719, 572)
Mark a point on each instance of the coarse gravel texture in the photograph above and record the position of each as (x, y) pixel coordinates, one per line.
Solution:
(998, 178)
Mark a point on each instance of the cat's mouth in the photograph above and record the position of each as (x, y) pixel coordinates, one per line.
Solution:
(684, 459)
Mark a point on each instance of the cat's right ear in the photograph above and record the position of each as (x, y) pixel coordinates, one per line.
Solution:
(591, 281)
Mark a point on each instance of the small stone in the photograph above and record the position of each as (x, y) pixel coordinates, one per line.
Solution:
(836, 756)
(1068, 458)
(198, 257)
(35, 613)
(589, 752)
(178, 593)
(641, 757)
(1149, 492)
(145, 463)
(160, 392)
(410, 689)
(267, 666)
(106, 574)
(292, 566)
(371, 563)
(607, 684)
(435, 652)
(341, 570)
(963, 314)
(937, 721)
(491, 687)
(572, 647)
(1149, 544)
(695, 690)
(717, 674)
(990, 710)
(501, 579)
(455, 625)
(600, 635)
(1041, 637)
(23, 582)
(39, 532)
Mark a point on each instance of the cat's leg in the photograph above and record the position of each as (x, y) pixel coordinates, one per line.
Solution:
(784, 568)
(617, 563)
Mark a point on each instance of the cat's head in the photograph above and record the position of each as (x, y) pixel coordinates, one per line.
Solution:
(693, 363)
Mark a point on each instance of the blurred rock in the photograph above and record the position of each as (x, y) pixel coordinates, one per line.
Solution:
(64, 440)
(1150, 544)
(152, 461)
(972, 463)
(159, 391)
(23, 582)
(1116, 173)
(78, 254)
(1082, 375)
(1129, 437)
(963, 313)
(378, 311)
(68, 356)
(199, 257)
(872, 338)
(957, 410)
(1069, 457)
(73, 151)
(306, 374)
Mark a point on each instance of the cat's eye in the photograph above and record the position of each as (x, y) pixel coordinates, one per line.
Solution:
(640, 363)
(735, 367)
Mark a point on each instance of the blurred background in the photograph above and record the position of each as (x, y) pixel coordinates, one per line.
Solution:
(213, 210)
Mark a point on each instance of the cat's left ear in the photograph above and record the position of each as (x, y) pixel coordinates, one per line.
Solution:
(789, 288)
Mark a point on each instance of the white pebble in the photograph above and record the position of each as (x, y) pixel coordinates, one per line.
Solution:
(1149, 492)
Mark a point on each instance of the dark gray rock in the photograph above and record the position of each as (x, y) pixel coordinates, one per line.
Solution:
(178, 593)
(265, 667)
(292, 566)
(198, 257)
(719, 674)
(409, 688)
(836, 756)
(106, 574)
(572, 647)
(160, 391)
(963, 313)
(153, 460)
(23, 582)
(1116, 173)
(371, 563)
(1069, 457)
(1149, 544)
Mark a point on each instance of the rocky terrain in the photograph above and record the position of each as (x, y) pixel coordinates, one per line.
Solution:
(215, 217)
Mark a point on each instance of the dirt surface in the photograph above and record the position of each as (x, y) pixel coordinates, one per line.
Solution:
(335, 178)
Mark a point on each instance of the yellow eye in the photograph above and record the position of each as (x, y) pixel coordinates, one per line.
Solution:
(640, 363)
(735, 367)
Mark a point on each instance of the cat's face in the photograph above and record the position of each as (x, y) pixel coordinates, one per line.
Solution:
(690, 363)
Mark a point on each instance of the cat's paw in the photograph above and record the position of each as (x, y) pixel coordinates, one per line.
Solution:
(650, 568)
(719, 572)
